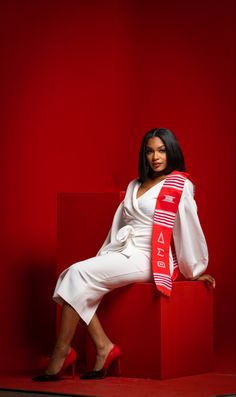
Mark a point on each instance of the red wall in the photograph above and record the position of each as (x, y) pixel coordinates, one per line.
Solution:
(80, 84)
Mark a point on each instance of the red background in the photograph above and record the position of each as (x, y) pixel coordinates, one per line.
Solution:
(80, 84)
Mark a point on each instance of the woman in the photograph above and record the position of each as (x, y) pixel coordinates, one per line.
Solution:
(138, 248)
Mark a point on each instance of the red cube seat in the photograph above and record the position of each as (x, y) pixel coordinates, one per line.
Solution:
(159, 337)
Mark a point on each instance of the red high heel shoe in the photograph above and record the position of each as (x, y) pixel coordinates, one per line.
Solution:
(112, 360)
(69, 361)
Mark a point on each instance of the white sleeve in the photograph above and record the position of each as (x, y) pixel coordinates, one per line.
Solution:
(190, 244)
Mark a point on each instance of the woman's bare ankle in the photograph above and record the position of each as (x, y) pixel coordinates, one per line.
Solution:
(102, 353)
(104, 348)
(57, 359)
(61, 349)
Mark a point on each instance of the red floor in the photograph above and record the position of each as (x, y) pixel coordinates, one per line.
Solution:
(206, 385)
(220, 382)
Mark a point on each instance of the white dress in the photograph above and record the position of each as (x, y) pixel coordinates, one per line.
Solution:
(125, 255)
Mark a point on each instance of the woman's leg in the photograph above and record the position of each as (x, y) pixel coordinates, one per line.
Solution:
(68, 325)
(85, 283)
(101, 341)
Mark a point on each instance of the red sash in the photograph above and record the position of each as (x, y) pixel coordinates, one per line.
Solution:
(163, 222)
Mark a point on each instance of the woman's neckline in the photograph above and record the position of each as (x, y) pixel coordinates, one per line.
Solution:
(149, 187)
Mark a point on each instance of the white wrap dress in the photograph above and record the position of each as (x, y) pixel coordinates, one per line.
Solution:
(125, 256)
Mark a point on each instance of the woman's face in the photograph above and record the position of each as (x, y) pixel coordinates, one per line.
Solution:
(156, 154)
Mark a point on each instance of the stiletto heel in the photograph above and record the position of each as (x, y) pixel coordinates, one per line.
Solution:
(115, 368)
(73, 370)
(112, 360)
(69, 361)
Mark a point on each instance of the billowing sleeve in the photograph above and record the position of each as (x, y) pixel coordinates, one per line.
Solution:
(190, 243)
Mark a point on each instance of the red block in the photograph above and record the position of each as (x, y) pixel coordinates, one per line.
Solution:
(83, 222)
(160, 337)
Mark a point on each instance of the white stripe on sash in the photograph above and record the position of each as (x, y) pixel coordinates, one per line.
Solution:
(163, 279)
(164, 218)
(175, 261)
(176, 182)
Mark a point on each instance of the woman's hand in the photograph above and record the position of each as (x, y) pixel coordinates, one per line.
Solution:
(208, 280)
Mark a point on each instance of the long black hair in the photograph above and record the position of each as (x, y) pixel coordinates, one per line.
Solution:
(175, 158)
